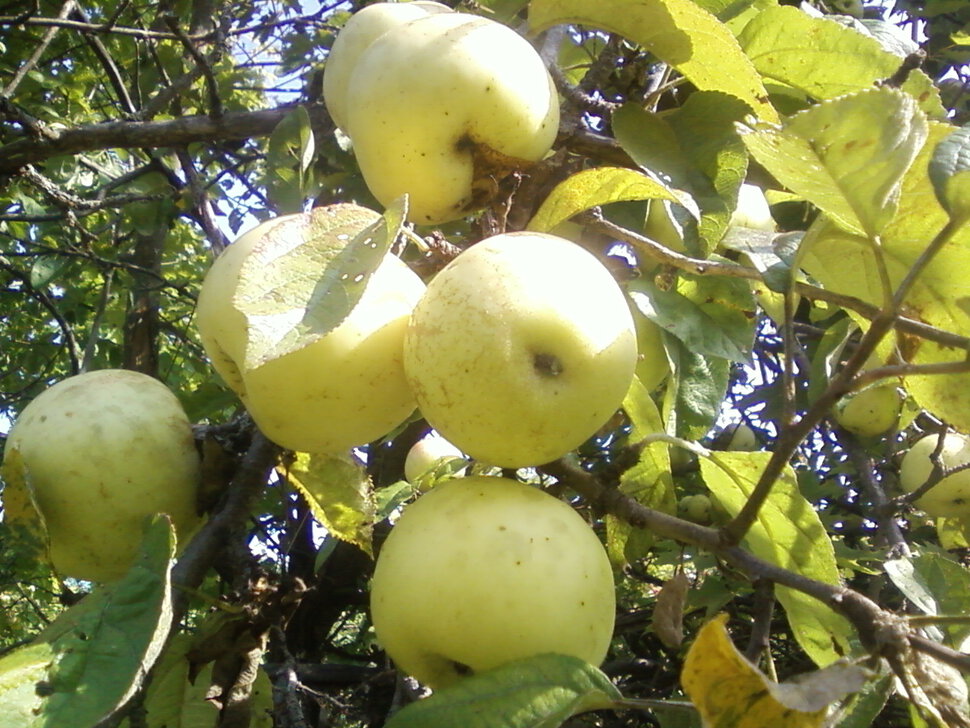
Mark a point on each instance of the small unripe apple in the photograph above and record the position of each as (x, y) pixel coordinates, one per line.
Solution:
(696, 508)
(950, 498)
(652, 363)
(344, 389)
(743, 439)
(426, 454)
(100, 452)
(521, 349)
(480, 571)
(870, 412)
(442, 108)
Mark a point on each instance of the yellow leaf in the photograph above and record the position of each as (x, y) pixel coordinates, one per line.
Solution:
(730, 692)
(339, 494)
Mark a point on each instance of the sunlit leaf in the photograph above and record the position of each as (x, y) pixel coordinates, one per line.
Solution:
(789, 533)
(730, 692)
(824, 58)
(600, 186)
(678, 32)
(306, 275)
(847, 155)
(338, 491)
(537, 692)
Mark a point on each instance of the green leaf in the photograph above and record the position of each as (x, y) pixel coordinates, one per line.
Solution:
(678, 32)
(824, 58)
(46, 268)
(716, 325)
(648, 482)
(537, 692)
(94, 656)
(950, 173)
(699, 385)
(601, 186)
(847, 155)
(789, 533)
(937, 585)
(289, 154)
(865, 706)
(338, 491)
(307, 274)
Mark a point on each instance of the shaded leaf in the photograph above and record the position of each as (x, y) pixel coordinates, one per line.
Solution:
(678, 32)
(847, 156)
(730, 692)
(338, 491)
(950, 173)
(789, 533)
(307, 274)
(537, 692)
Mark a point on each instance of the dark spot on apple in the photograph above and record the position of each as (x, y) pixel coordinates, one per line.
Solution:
(547, 365)
(461, 668)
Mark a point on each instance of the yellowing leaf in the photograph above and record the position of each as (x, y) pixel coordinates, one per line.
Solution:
(789, 533)
(307, 274)
(847, 155)
(600, 186)
(24, 520)
(843, 262)
(339, 493)
(730, 692)
(678, 32)
(668, 612)
(824, 58)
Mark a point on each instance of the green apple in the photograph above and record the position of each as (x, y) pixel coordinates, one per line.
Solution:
(480, 571)
(442, 108)
(696, 508)
(950, 498)
(99, 453)
(428, 454)
(521, 349)
(345, 389)
(363, 28)
(652, 363)
(872, 411)
(743, 439)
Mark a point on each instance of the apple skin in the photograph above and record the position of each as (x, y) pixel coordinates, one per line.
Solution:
(363, 28)
(950, 498)
(480, 571)
(696, 508)
(101, 452)
(426, 454)
(870, 412)
(443, 107)
(345, 389)
(743, 439)
(521, 349)
(752, 210)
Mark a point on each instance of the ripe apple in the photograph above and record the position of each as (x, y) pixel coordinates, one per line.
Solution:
(428, 453)
(442, 108)
(950, 498)
(870, 412)
(99, 453)
(344, 389)
(521, 348)
(363, 28)
(480, 571)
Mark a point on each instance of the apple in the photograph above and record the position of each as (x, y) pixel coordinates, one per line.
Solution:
(99, 453)
(696, 508)
(522, 347)
(743, 439)
(442, 108)
(752, 210)
(363, 28)
(426, 455)
(950, 498)
(480, 571)
(870, 412)
(345, 389)
(653, 366)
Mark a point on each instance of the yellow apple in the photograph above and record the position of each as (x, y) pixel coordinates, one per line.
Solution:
(652, 363)
(480, 571)
(427, 454)
(752, 210)
(100, 452)
(950, 498)
(363, 28)
(872, 411)
(442, 108)
(345, 389)
(521, 349)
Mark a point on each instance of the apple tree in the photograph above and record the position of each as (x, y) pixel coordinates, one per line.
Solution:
(703, 458)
